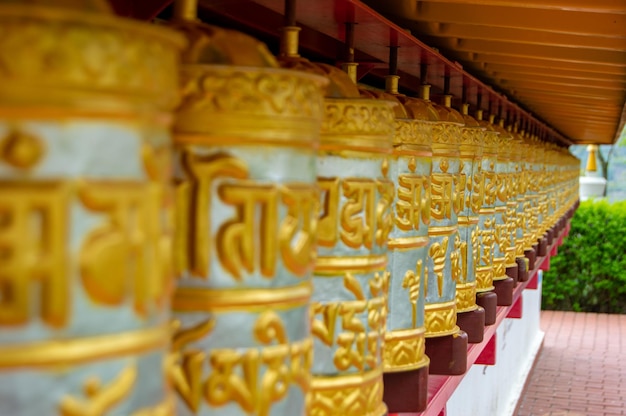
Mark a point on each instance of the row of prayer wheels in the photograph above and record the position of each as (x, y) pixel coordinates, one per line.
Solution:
(188, 228)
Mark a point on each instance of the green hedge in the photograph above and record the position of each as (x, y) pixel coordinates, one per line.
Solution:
(589, 273)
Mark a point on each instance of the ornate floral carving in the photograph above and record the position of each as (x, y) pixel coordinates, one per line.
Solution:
(440, 319)
(358, 117)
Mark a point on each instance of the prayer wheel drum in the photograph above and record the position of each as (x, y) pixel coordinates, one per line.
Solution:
(245, 136)
(446, 345)
(85, 209)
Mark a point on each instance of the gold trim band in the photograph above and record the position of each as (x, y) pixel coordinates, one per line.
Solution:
(404, 350)
(83, 350)
(468, 220)
(440, 319)
(343, 381)
(466, 297)
(442, 230)
(330, 265)
(407, 242)
(189, 299)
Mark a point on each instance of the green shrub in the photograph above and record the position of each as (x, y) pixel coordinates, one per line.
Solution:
(589, 272)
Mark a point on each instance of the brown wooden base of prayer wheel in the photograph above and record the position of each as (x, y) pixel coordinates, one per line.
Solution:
(542, 248)
(448, 354)
(512, 272)
(550, 235)
(489, 302)
(531, 255)
(406, 391)
(504, 290)
(473, 324)
(522, 270)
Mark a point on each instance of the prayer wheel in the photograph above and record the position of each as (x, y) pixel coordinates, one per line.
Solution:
(85, 208)
(514, 216)
(485, 297)
(245, 135)
(404, 360)
(503, 249)
(470, 316)
(530, 200)
(520, 185)
(541, 197)
(446, 345)
(351, 280)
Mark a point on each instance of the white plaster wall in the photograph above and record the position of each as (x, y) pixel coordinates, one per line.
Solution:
(495, 390)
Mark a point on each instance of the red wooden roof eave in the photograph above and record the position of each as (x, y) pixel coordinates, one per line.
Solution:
(373, 36)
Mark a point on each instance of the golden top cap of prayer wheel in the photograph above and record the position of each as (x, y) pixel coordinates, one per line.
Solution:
(233, 87)
(472, 134)
(77, 55)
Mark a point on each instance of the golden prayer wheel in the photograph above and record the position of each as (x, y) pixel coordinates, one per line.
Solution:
(444, 254)
(405, 362)
(351, 280)
(408, 243)
(486, 218)
(541, 194)
(502, 248)
(530, 196)
(245, 138)
(85, 271)
(515, 209)
(470, 196)
(408, 240)
(520, 185)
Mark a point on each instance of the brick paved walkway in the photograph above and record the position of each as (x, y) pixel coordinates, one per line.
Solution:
(582, 367)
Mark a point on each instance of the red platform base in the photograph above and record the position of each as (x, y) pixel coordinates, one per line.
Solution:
(489, 302)
(473, 324)
(448, 355)
(406, 391)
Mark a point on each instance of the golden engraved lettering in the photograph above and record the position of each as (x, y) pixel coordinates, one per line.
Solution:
(131, 235)
(324, 330)
(476, 187)
(489, 186)
(437, 252)
(351, 283)
(202, 171)
(187, 376)
(502, 190)
(236, 242)
(384, 216)
(464, 264)
(460, 182)
(33, 233)
(224, 383)
(358, 213)
(413, 202)
(235, 376)
(99, 399)
(455, 258)
(487, 237)
(411, 282)
(296, 236)
(327, 227)
(442, 196)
